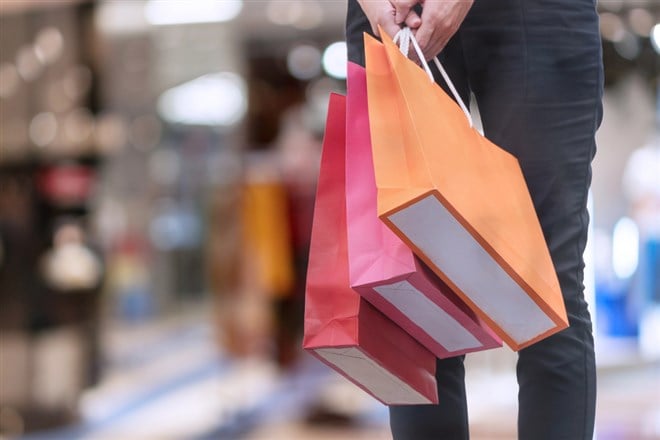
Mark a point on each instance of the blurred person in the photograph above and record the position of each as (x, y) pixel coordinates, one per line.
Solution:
(535, 68)
(278, 193)
(267, 274)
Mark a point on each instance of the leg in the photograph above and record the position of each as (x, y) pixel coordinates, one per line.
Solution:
(448, 419)
(535, 68)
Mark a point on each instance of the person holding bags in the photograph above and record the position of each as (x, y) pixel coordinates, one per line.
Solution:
(535, 68)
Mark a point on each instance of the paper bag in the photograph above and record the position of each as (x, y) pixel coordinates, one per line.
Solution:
(459, 201)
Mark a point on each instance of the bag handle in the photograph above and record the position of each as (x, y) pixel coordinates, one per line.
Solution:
(406, 37)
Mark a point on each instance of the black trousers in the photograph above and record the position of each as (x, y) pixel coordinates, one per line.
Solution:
(535, 68)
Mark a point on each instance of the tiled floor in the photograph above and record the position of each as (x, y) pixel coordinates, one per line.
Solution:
(168, 381)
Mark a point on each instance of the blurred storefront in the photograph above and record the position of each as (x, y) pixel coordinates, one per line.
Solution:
(158, 162)
(52, 267)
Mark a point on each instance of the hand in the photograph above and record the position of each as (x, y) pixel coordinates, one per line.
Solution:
(382, 13)
(439, 22)
(403, 11)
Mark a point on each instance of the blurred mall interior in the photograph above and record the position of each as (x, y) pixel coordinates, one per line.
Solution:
(144, 292)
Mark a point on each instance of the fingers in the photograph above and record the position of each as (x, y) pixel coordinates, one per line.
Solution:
(413, 21)
(390, 29)
(380, 13)
(390, 15)
(402, 8)
(439, 22)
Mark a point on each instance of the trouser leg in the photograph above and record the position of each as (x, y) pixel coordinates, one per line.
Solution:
(535, 68)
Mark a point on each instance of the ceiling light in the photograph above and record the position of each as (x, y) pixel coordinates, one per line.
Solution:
(161, 12)
(213, 99)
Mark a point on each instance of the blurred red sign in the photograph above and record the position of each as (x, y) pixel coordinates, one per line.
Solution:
(66, 184)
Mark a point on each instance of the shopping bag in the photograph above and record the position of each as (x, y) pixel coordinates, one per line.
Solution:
(382, 267)
(458, 200)
(342, 329)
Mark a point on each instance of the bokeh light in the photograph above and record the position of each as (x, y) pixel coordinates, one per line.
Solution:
(334, 60)
(159, 12)
(214, 99)
(304, 61)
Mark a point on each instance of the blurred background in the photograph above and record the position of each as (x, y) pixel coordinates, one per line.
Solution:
(158, 161)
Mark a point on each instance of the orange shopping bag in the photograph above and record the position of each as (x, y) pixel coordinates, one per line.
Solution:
(342, 329)
(459, 201)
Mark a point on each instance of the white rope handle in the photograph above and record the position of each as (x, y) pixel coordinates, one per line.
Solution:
(406, 36)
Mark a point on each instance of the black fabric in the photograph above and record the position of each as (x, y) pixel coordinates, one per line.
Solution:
(446, 420)
(535, 69)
